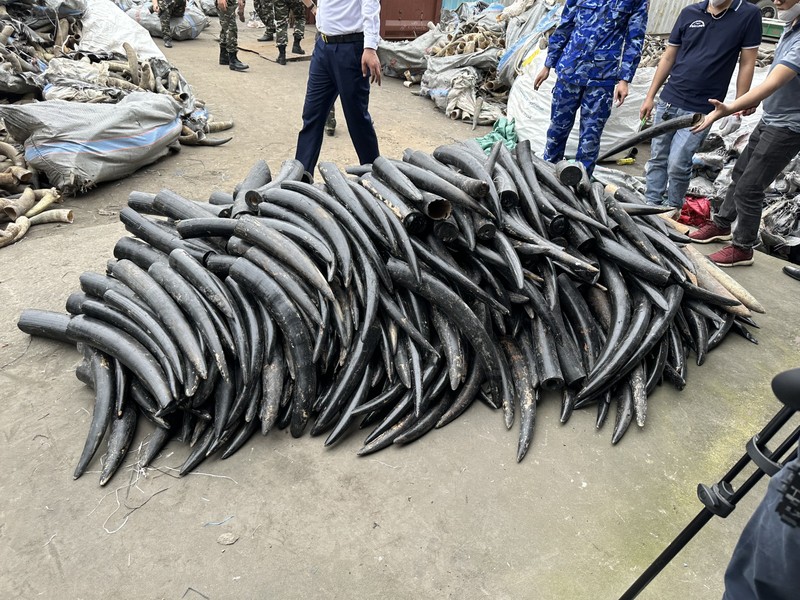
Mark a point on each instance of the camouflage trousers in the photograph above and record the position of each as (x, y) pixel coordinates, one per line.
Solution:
(595, 105)
(265, 9)
(282, 9)
(229, 32)
(168, 9)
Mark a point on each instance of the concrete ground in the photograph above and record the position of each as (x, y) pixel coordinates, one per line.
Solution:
(451, 516)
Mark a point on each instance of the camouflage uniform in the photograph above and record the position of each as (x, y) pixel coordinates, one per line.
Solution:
(282, 9)
(166, 10)
(265, 9)
(595, 104)
(597, 44)
(229, 32)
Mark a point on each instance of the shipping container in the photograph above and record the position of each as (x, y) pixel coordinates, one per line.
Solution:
(403, 19)
(406, 19)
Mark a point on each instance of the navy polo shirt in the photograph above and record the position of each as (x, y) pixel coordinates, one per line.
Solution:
(708, 51)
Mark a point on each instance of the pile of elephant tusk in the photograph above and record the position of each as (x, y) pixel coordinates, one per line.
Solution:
(388, 298)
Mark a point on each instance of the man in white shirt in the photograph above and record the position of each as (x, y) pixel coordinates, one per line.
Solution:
(343, 64)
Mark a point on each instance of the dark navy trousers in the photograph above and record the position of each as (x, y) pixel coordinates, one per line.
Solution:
(336, 71)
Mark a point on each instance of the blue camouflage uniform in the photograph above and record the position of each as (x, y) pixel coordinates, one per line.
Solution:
(597, 44)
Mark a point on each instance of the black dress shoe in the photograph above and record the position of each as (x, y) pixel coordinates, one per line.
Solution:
(793, 272)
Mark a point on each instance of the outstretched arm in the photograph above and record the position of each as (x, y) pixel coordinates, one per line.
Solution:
(777, 78)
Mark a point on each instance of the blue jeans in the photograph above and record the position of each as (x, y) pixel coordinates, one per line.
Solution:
(670, 166)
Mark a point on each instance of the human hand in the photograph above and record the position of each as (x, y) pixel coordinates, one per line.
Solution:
(222, 4)
(541, 77)
(720, 110)
(371, 65)
(646, 108)
(240, 11)
(155, 6)
(620, 92)
(747, 111)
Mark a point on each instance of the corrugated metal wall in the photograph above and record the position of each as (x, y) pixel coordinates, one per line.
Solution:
(662, 14)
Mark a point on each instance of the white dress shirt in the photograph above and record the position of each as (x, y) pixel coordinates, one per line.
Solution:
(341, 17)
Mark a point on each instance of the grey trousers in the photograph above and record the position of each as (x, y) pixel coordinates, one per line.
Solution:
(767, 153)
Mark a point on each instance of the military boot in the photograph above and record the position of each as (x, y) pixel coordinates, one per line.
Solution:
(235, 64)
(223, 55)
(296, 49)
(167, 41)
(267, 37)
(281, 55)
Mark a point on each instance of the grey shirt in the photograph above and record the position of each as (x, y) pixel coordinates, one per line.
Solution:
(782, 109)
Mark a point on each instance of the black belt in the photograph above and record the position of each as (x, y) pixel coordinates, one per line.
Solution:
(342, 39)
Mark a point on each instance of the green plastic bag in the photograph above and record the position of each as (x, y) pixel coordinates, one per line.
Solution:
(504, 130)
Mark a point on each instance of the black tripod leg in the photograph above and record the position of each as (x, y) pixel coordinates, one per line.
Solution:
(764, 436)
(705, 515)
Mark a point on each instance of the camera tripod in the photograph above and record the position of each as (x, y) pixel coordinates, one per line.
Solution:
(720, 499)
